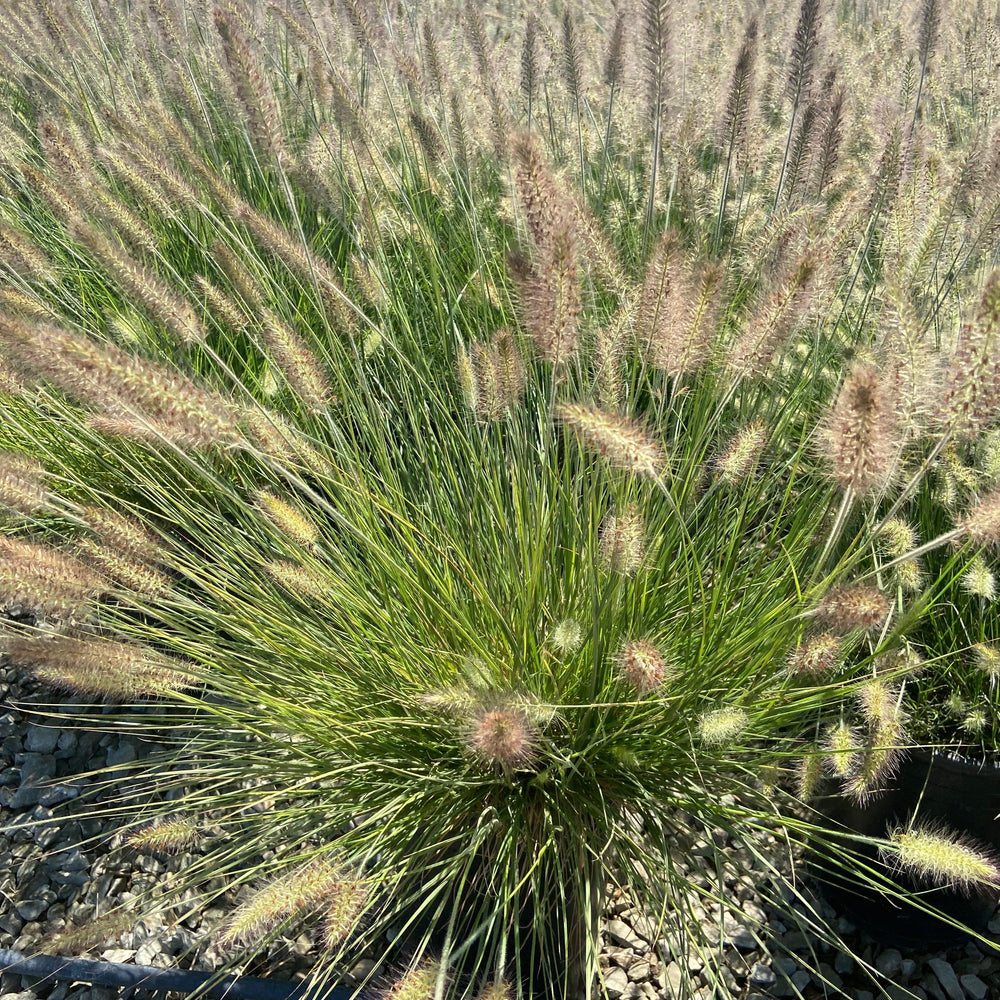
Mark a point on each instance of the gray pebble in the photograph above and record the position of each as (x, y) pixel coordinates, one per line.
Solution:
(639, 971)
(41, 739)
(738, 936)
(889, 962)
(622, 934)
(36, 768)
(615, 982)
(124, 753)
(974, 987)
(762, 977)
(947, 978)
(843, 963)
(31, 909)
(673, 980)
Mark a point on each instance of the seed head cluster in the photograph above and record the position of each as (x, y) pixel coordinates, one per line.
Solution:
(722, 726)
(859, 437)
(114, 670)
(165, 836)
(849, 607)
(622, 443)
(623, 541)
(938, 856)
(816, 655)
(46, 581)
(503, 736)
(642, 666)
(741, 455)
(316, 888)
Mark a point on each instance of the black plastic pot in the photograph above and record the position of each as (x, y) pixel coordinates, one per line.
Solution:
(960, 794)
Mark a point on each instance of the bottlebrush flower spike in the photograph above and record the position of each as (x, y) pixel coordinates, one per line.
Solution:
(416, 984)
(101, 667)
(621, 442)
(287, 519)
(740, 457)
(304, 581)
(849, 607)
(164, 836)
(722, 726)
(842, 745)
(810, 774)
(938, 856)
(341, 911)
(45, 580)
(978, 580)
(499, 990)
(623, 541)
(982, 524)
(897, 537)
(307, 890)
(504, 736)
(21, 486)
(987, 657)
(642, 665)
(567, 637)
(859, 436)
(816, 655)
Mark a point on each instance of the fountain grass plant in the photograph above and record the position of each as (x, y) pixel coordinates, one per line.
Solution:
(488, 501)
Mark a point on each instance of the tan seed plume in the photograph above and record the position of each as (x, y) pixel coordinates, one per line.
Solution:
(101, 667)
(859, 435)
(621, 442)
(45, 580)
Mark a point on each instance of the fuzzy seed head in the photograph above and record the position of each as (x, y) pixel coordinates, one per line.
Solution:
(301, 580)
(978, 580)
(165, 836)
(503, 736)
(342, 909)
(954, 704)
(45, 581)
(859, 436)
(897, 537)
(849, 607)
(910, 576)
(123, 533)
(982, 524)
(21, 486)
(623, 541)
(974, 722)
(289, 520)
(642, 665)
(455, 701)
(306, 891)
(879, 703)
(499, 990)
(987, 658)
(416, 984)
(114, 670)
(722, 726)
(619, 441)
(938, 856)
(810, 774)
(567, 637)
(842, 746)
(131, 574)
(741, 455)
(816, 655)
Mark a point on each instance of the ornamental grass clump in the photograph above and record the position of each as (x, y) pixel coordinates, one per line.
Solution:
(481, 500)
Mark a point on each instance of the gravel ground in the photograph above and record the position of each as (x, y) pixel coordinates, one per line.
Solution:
(47, 885)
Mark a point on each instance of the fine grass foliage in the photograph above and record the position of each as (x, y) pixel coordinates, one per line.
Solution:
(496, 450)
